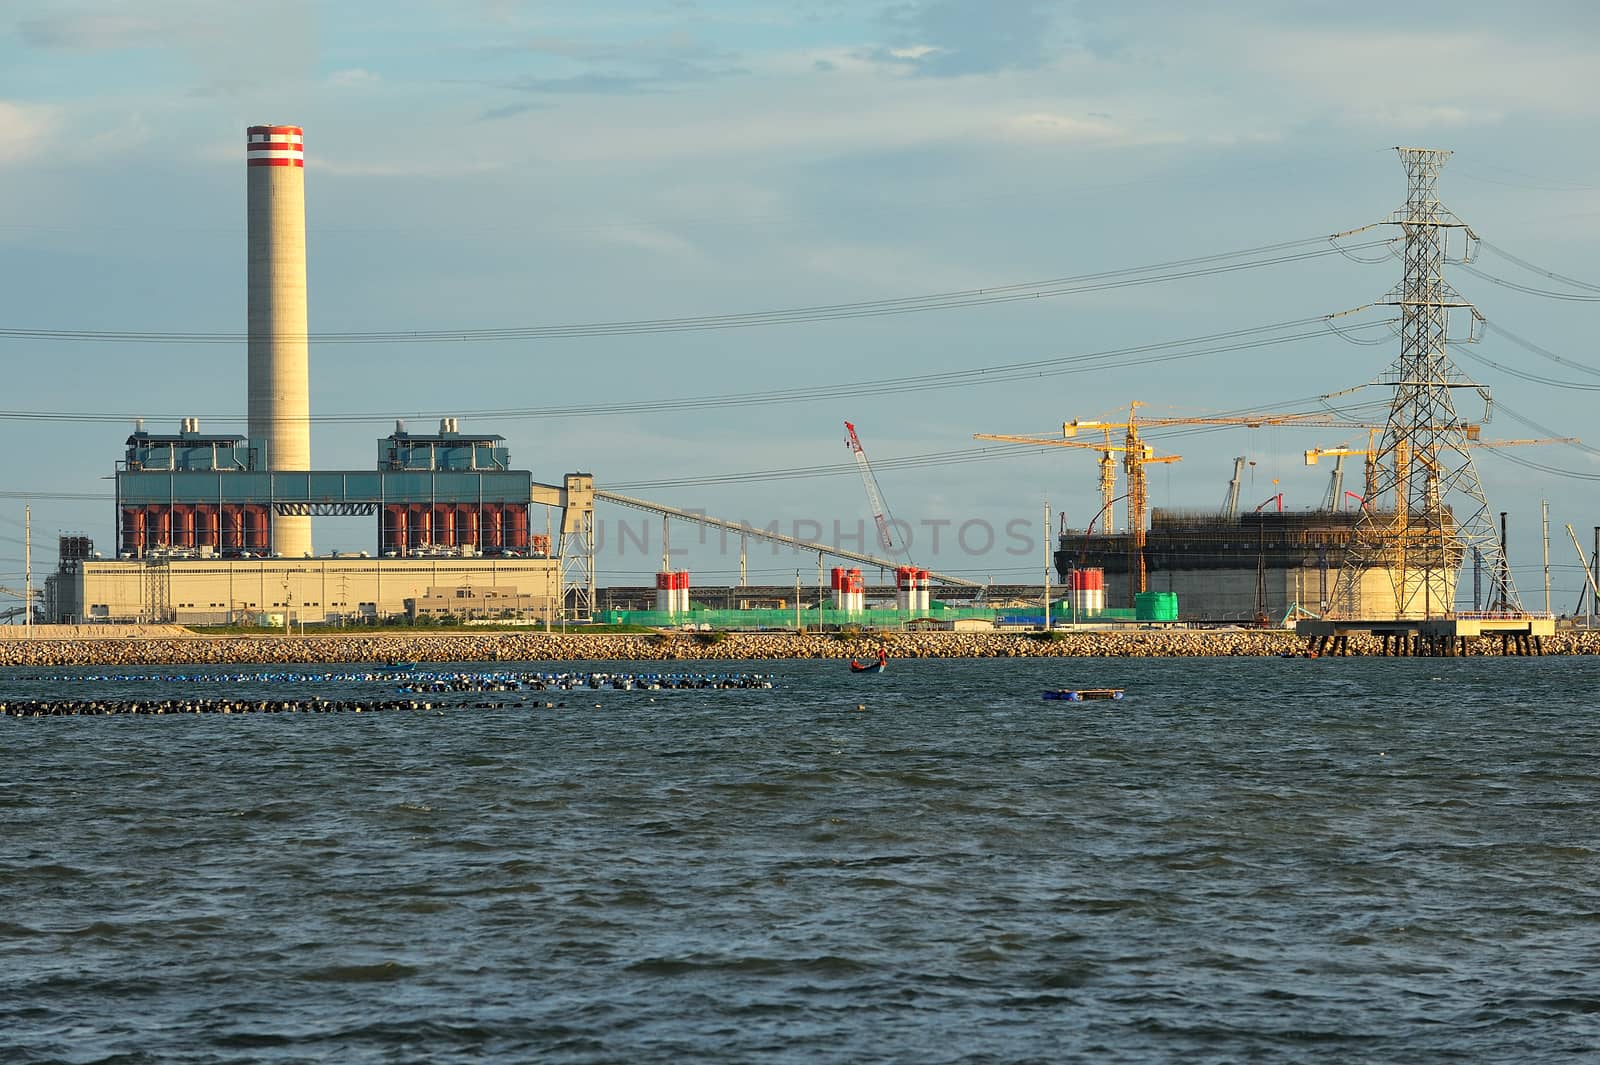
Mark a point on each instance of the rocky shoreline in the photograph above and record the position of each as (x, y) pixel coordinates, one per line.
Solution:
(168, 649)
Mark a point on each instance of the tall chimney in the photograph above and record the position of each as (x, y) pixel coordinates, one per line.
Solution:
(279, 405)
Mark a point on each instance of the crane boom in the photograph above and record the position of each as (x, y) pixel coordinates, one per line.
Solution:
(1583, 562)
(1230, 502)
(1108, 465)
(880, 509)
(768, 535)
(1335, 486)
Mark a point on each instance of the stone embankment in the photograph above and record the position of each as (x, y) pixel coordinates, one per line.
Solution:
(165, 648)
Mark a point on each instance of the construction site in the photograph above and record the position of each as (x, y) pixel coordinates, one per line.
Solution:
(216, 528)
(1389, 567)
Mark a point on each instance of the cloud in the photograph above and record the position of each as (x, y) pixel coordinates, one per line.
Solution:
(653, 239)
(1475, 71)
(93, 31)
(512, 110)
(353, 78)
(617, 68)
(1040, 125)
(25, 129)
(951, 38)
(436, 165)
(232, 48)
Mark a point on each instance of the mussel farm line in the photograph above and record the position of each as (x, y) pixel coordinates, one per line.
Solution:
(409, 684)
(440, 680)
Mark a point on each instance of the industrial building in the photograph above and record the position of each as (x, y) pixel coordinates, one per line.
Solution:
(216, 528)
(198, 534)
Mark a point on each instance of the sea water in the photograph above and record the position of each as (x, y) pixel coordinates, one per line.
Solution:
(1244, 860)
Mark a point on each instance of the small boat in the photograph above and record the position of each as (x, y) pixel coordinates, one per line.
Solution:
(399, 667)
(875, 667)
(1078, 695)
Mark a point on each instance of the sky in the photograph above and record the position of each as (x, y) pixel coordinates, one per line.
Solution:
(487, 164)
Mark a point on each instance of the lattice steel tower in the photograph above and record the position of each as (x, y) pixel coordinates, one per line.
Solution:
(1405, 560)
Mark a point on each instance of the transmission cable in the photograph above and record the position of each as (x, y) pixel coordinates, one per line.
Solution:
(1530, 464)
(1533, 268)
(1054, 366)
(1542, 429)
(936, 458)
(1180, 269)
(1537, 350)
(1570, 297)
(1524, 375)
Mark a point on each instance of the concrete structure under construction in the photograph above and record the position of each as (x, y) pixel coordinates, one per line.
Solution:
(1235, 568)
(279, 404)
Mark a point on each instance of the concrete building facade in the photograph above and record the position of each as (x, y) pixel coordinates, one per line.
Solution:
(213, 591)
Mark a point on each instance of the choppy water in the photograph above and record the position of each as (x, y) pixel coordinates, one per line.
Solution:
(1245, 860)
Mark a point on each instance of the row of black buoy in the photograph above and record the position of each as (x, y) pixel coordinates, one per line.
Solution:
(444, 681)
(178, 707)
(511, 682)
(346, 676)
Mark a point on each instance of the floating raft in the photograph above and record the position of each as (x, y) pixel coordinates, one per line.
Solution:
(1078, 695)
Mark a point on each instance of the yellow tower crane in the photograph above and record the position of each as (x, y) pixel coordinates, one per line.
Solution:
(1370, 455)
(1107, 464)
(1136, 455)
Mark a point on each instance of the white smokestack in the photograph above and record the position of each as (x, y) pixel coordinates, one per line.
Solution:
(279, 405)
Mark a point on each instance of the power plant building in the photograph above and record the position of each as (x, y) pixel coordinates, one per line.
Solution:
(216, 528)
(198, 533)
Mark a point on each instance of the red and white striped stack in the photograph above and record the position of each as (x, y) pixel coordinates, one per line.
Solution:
(275, 146)
(1087, 588)
(849, 590)
(905, 588)
(672, 592)
(911, 593)
(855, 592)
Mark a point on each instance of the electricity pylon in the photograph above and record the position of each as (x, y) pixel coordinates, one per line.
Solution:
(1423, 462)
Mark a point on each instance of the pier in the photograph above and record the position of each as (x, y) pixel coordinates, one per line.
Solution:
(1520, 634)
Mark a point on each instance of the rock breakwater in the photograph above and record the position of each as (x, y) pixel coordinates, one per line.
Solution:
(683, 646)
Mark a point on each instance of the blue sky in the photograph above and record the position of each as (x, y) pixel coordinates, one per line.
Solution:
(497, 164)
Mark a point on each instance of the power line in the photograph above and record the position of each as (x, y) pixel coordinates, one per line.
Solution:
(1570, 297)
(1180, 269)
(1542, 429)
(1554, 470)
(949, 458)
(1529, 345)
(1526, 376)
(1532, 268)
(1054, 366)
